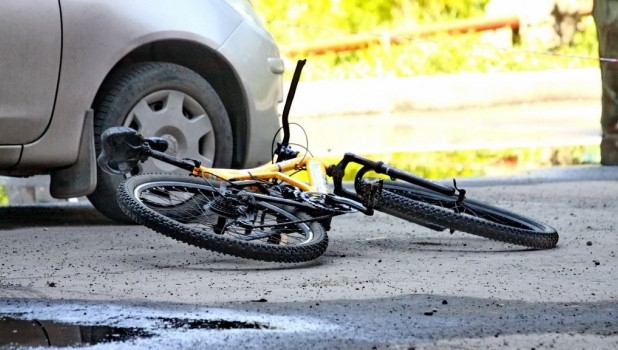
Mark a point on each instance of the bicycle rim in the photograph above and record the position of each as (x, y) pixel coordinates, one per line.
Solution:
(190, 210)
(429, 208)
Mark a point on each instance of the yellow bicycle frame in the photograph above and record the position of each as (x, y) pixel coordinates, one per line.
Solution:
(316, 170)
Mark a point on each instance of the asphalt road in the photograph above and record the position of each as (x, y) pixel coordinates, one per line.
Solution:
(382, 283)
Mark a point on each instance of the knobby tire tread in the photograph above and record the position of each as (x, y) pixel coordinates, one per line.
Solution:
(207, 239)
(539, 236)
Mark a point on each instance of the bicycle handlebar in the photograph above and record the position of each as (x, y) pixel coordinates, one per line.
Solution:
(337, 172)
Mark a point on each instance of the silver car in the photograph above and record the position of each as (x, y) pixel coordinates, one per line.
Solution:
(204, 75)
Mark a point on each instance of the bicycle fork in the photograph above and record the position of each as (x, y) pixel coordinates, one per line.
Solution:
(368, 190)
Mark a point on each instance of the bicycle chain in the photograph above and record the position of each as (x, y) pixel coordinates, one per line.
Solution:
(333, 211)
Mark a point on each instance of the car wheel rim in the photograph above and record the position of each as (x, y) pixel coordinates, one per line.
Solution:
(181, 121)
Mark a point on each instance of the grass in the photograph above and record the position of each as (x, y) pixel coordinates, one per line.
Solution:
(4, 197)
(478, 163)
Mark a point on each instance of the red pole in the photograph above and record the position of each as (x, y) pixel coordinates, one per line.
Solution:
(359, 41)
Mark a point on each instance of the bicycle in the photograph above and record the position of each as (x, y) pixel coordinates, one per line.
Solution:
(266, 214)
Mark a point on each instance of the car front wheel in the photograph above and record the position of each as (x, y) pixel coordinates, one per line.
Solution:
(168, 101)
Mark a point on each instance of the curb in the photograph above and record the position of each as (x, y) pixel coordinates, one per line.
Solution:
(444, 92)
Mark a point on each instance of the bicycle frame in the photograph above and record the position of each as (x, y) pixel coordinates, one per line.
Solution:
(315, 169)
(365, 201)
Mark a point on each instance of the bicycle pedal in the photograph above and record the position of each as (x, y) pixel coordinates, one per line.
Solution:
(370, 191)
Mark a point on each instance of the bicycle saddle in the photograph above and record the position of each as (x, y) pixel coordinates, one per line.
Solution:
(122, 148)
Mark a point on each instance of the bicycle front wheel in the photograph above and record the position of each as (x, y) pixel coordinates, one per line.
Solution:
(198, 212)
(439, 211)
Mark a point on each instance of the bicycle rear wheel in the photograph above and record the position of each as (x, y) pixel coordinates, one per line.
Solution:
(194, 211)
(439, 211)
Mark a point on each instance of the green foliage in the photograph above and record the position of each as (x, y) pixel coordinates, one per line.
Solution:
(294, 22)
(428, 11)
(4, 198)
(291, 21)
(459, 164)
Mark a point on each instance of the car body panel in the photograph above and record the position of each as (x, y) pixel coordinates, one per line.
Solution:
(259, 95)
(101, 35)
(31, 39)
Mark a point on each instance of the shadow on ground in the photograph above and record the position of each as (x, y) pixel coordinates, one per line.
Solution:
(51, 215)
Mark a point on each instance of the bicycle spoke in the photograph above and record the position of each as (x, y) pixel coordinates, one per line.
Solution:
(190, 206)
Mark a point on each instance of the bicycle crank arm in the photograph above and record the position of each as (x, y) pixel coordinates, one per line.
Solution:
(259, 235)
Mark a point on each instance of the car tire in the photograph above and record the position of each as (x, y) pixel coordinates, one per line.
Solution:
(164, 100)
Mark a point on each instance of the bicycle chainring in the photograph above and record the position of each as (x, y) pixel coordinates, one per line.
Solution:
(227, 206)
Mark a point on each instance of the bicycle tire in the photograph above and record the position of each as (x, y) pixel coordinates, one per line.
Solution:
(435, 210)
(288, 235)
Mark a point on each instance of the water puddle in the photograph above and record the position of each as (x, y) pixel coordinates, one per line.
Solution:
(35, 324)
(176, 323)
(16, 332)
